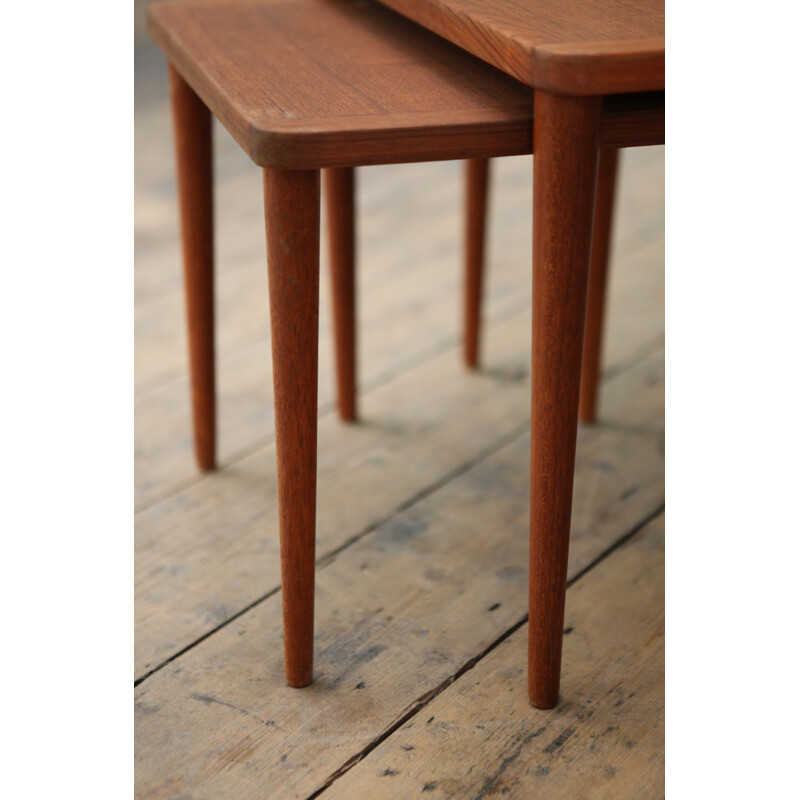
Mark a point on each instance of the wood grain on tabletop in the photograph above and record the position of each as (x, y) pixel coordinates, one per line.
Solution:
(590, 47)
(418, 98)
(277, 76)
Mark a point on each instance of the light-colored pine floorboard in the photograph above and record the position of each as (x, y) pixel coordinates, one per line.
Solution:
(422, 519)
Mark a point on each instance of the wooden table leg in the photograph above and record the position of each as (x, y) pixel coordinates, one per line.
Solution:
(477, 177)
(192, 125)
(340, 204)
(291, 200)
(598, 274)
(565, 171)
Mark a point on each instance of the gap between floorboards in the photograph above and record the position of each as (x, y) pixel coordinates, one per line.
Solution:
(330, 556)
(422, 701)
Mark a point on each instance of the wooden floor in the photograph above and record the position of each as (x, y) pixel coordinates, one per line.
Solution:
(422, 513)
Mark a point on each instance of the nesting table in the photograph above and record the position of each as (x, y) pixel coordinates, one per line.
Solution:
(577, 56)
(345, 83)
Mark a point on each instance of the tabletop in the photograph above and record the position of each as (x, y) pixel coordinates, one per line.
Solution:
(576, 48)
(319, 83)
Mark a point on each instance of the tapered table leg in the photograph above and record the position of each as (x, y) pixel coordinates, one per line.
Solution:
(192, 124)
(598, 275)
(291, 200)
(340, 203)
(565, 167)
(477, 177)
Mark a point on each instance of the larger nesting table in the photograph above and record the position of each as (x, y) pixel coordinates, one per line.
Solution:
(578, 57)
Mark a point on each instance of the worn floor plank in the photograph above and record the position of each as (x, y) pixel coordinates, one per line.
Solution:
(399, 612)
(211, 550)
(217, 541)
(481, 738)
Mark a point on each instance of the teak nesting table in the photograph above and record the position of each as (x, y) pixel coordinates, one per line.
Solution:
(304, 85)
(577, 56)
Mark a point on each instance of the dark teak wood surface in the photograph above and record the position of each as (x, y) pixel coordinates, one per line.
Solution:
(562, 46)
(339, 83)
(395, 93)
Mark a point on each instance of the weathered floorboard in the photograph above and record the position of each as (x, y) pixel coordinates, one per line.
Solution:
(208, 552)
(481, 738)
(399, 611)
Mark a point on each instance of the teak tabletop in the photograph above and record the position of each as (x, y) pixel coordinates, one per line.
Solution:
(305, 89)
(575, 48)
